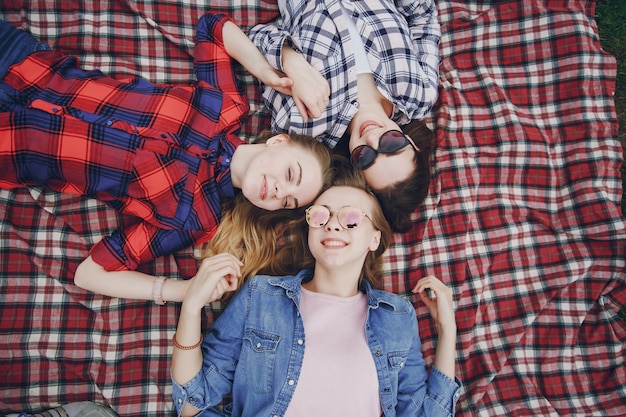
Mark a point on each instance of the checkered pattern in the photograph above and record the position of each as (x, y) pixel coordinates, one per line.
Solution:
(523, 220)
(402, 47)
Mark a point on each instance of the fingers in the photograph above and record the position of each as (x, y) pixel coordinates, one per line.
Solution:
(215, 276)
(302, 109)
(433, 284)
(440, 305)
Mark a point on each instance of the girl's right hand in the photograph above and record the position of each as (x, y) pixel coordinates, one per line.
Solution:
(217, 274)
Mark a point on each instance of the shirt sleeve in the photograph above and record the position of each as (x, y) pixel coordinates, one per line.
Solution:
(421, 393)
(270, 40)
(212, 63)
(425, 35)
(127, 248)
(221, 349)
(216, 68)
(443, 393)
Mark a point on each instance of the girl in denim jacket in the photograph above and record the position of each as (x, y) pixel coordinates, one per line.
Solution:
(321, 342)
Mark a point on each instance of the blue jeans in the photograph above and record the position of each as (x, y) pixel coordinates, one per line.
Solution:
(15, 45)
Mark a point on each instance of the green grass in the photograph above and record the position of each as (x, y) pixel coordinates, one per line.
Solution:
(611, 20)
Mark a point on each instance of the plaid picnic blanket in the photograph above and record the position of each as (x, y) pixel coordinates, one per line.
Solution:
(522, 221)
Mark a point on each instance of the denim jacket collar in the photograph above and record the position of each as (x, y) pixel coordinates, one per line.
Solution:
(292, 284)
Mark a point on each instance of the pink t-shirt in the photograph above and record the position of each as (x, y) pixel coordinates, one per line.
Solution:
(338, 376)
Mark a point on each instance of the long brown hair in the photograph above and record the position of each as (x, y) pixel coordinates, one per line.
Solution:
(399, 200)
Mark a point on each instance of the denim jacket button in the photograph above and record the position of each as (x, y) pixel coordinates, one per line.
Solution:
(291, 382)
(300, 341)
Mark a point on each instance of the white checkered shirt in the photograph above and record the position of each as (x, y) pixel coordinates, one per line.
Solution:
(401, 40)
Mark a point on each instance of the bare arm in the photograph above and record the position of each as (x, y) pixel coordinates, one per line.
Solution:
(441, 308)
(125, 284)
(216, 275)
(240, 48)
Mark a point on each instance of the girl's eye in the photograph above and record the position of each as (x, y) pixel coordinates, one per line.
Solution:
(289, 175)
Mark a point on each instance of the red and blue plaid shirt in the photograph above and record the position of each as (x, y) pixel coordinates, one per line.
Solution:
(160, 153)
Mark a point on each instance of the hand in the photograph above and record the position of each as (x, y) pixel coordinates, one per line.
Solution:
(310, 90)
(275, 79)
(440, 306)
(216, 275)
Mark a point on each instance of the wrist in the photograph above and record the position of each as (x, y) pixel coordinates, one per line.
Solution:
(157, 291)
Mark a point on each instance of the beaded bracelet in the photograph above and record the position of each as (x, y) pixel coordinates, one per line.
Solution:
(181, 347)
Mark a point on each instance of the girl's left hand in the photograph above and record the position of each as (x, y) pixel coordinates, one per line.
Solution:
(440, 306)
(275, 79)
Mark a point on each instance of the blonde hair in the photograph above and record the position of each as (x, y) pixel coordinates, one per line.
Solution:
(267, 242)
(276, 242)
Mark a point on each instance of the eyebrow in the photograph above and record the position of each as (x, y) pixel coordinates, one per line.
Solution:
(300, 176)
(295, 200)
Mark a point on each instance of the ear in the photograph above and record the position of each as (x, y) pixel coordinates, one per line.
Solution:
(375, 243)
(277, 139)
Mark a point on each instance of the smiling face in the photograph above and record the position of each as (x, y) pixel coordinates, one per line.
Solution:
(387, 169)
(332, 246)
(283, 175)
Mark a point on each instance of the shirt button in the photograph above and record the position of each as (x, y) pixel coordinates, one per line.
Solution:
(55, 110)
(378, 353)
(300, 341)
(228, 160)
(180, 400)
(291, 382)
(258, 345)
(135, 130)
(109, 122)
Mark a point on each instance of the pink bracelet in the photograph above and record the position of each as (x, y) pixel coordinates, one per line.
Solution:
(157, 291)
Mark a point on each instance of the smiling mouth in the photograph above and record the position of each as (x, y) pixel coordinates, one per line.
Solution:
(366, 125)
(333, 243)
(263, 190)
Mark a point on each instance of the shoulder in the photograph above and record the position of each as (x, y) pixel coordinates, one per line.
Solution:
(392, 302)
(278, 283)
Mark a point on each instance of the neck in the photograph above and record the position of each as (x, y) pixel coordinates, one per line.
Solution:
(337, 282)
(369, 97)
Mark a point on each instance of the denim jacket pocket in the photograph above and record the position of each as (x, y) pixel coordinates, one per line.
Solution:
(396, 361)
(259, 356)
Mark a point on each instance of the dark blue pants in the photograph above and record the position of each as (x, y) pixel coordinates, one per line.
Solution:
(15, 45)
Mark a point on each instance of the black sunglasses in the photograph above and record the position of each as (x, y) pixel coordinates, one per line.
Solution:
(391, 141)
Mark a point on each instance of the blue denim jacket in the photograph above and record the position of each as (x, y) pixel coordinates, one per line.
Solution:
(256, 347)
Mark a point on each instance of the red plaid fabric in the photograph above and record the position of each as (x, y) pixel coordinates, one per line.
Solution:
(523, 219)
